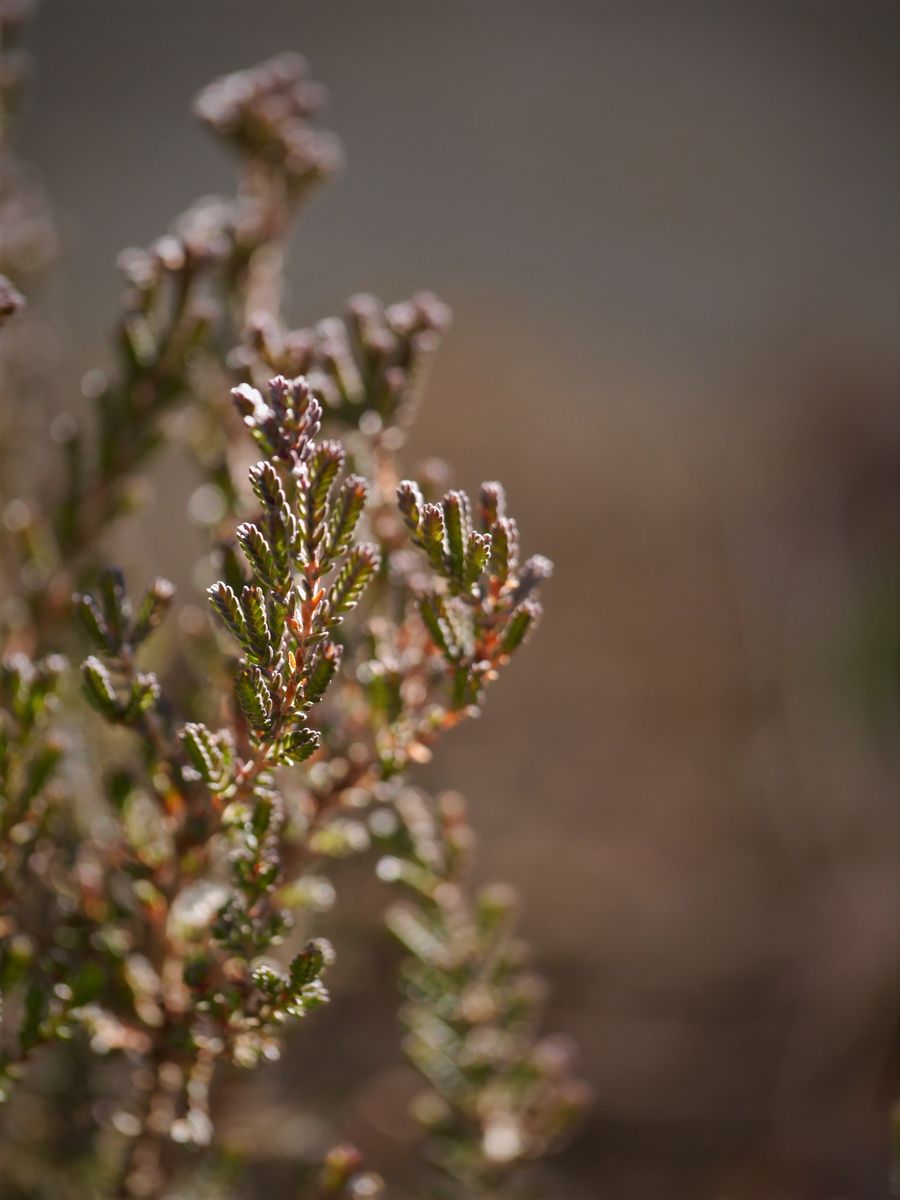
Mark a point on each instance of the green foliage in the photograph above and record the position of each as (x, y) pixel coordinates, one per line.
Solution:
(30, 754)
(163, 883)
(300, 990)
(210, 755)
(480, 611)
(499, 1093)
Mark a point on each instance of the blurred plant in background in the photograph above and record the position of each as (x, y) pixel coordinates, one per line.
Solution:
(163, 868)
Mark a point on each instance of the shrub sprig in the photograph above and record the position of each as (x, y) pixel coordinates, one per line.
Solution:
(162, 876)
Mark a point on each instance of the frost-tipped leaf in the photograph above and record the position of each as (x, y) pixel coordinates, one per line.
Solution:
(156, 603)
(267, 486)
(310, 963)
(225, 602)
(210, 754)
(281, 530)
(434, 613)
(456, 521)
(297, 746)
(277, 611)
(322, 671)
(270, 983)
(344, 517)
(535, 571)
(324, 463)
(114, 603)
(491, 504)
(92, 620)
(256, 619)
(520, 624)
(504, 548)
(254, 697)
(411, 503)
(433, 536)
(259, 555)
(478, 551)
(99, 690)
(202, 751)
(360, 565)
(144, 694)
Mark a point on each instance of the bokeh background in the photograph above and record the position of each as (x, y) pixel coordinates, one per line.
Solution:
(669, 235)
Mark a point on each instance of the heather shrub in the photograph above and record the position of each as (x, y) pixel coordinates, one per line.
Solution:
(175, 794)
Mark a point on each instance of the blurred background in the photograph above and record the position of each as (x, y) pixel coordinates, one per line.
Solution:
(669, 236)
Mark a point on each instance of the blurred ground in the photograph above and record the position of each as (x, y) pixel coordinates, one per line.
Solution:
(669, 236)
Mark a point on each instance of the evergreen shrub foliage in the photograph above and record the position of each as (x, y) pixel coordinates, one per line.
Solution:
(164, 861)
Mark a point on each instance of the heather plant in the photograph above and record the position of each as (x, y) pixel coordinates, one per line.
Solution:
(175, 794)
